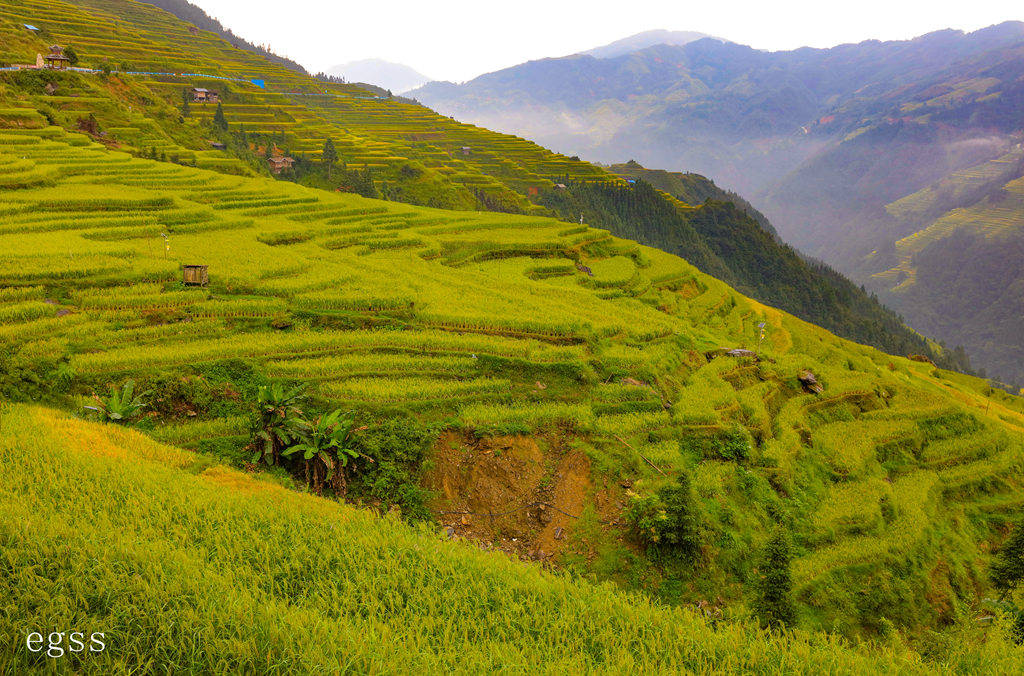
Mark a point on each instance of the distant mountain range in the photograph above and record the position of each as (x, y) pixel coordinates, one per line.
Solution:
(392, 76)
(826, 142)
(644, 40)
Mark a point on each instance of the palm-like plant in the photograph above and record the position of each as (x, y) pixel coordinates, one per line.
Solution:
(120, 406)
(327, 450)
(276, 422)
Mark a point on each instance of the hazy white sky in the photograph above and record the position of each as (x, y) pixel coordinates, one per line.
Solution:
(460, 39)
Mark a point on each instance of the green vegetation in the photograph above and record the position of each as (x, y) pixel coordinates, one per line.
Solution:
(326, 451)
(506, 377)
(774, 603)
(1007, 569)
(119, 407)
(276, 422)
(668, 520)
(270, 581)
(438, 327)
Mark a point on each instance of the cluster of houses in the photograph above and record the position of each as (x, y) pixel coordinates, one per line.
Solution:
(57, 60)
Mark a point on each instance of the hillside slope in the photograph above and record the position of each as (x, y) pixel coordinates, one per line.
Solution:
(136, 538)
(950, 259)
(499, 361)
(385, 148)
(731, 240)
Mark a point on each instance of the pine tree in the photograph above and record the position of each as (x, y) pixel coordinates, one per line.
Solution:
(1007, 571)
(185, 110)
(219, 121)
(774, 602)
(329, 156)
(680, 532)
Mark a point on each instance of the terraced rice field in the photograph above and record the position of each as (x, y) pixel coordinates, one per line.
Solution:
(485, 318)
(479, 322)
(384, 136)
(991, 218)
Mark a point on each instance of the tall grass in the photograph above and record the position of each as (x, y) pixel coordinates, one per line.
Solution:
(196, 569)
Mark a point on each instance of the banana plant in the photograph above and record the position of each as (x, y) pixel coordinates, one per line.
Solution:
(327, 450)
(120, 406)
(276, 422)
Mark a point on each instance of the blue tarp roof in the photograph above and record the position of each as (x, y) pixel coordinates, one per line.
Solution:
(30, 26)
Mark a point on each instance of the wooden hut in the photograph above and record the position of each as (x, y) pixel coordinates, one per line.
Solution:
(200, 95)
(195, 275)
(279, 163)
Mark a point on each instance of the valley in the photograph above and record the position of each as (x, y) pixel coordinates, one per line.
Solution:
(847, 151)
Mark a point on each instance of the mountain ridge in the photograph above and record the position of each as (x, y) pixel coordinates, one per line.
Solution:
(392, 76)
(646, 39)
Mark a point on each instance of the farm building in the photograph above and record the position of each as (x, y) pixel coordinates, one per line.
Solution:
(56, 59)
(200, 95)
(466, 150)
(279, 163)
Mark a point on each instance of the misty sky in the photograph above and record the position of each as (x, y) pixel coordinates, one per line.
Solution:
(460, 39)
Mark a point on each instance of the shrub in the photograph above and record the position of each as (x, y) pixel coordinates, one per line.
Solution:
(733, 444)
(668, 522)
(398, 444)
(1007, 571)
(276, 422)
(119, 407)
(774, 602)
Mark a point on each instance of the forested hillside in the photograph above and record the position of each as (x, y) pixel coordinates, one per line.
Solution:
(737, 247)
(949, 257)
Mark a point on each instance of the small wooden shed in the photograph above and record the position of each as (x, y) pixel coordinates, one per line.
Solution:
(201, 95)
(195, 275)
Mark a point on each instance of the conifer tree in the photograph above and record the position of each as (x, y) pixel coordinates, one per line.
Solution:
(329, 155)
(1007, 571)
(219, 121)
(185, 109)
(680, 531)
(774, 602)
